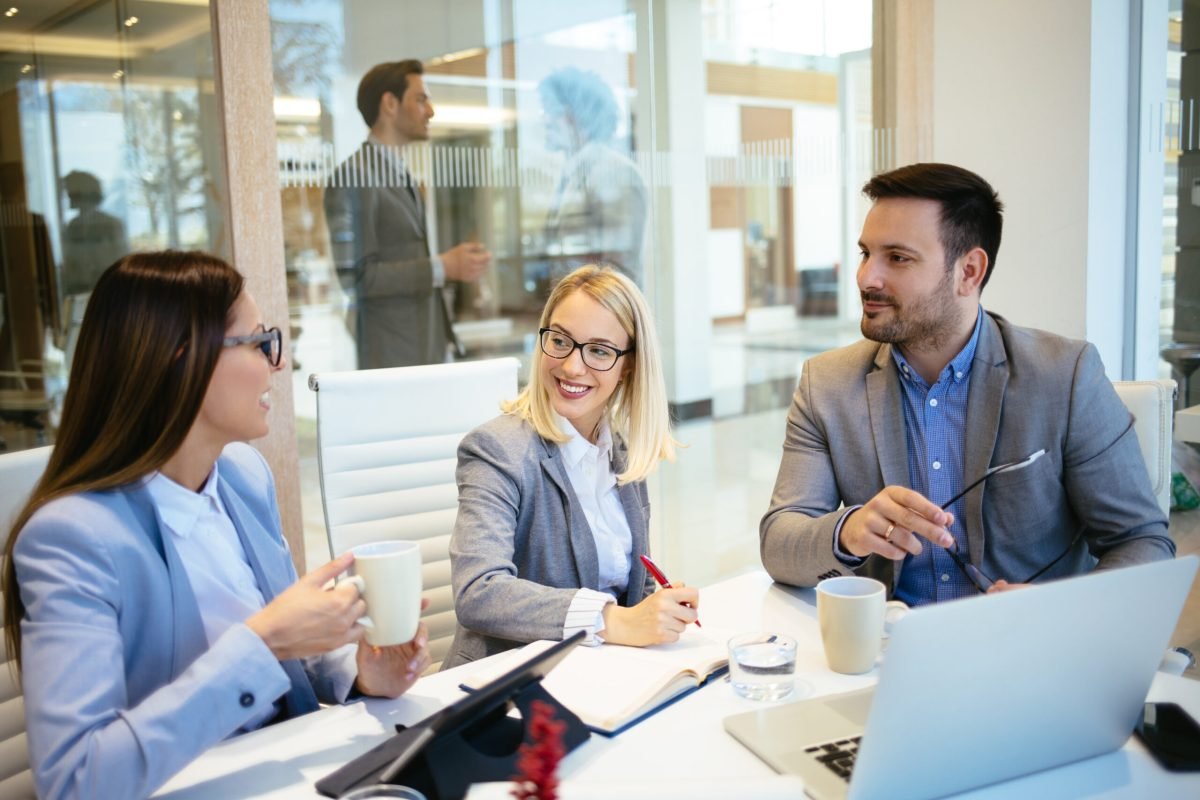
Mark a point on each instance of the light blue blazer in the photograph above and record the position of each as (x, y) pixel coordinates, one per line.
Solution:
(122, 688)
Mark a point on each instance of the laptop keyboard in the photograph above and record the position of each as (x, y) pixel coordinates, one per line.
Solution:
(837, 756)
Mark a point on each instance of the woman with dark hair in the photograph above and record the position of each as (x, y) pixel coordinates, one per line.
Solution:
(150, 598)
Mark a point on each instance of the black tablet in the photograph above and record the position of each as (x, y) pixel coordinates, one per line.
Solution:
(390, 758)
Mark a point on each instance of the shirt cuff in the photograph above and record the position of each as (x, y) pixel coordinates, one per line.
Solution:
(838, 553)
(439, 272)
(586, 613)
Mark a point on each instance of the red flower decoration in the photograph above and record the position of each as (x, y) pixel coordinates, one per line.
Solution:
(537, 761)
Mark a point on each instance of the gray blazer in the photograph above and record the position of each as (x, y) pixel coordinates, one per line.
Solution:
(1028, 389)
(381, 251)
(521, 546)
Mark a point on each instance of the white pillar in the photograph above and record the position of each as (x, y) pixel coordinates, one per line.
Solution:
(1034, 97)
(670, 77)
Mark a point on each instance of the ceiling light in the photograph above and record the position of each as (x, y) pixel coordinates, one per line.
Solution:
(457, 56)
(119, 73)
(297, 108)
(131, 21)
(12, 12)
(26, 69)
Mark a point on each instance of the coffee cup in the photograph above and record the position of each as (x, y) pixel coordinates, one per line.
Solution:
(851, 612)
(388, 575)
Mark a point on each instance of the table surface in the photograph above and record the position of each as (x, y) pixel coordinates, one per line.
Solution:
(683, 744)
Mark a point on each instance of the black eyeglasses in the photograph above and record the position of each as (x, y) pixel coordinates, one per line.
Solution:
(270, 342)
(600, 357)
(974, 574)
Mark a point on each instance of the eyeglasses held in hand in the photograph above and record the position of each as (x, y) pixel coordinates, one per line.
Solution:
(270, 342)
(975, 575)
(600, 357)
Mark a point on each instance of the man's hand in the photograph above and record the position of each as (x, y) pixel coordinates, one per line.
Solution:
(307, 619)
(466, 261)
(391, 671)
(658, 619)
(892, 524)
(1004, 586)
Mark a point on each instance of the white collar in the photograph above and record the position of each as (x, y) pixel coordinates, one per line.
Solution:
(179, 506)
(576, 448)
(391, 152)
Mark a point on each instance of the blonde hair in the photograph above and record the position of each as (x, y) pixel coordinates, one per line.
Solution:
(637, 410)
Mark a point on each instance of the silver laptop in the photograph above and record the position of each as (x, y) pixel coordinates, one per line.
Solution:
(996, 686)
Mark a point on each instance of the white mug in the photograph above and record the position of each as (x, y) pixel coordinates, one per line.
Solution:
(388, 575)
(851, 612)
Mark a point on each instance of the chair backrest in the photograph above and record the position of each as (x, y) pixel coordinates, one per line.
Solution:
(19, 472)
(387, 448)
(1152, 404)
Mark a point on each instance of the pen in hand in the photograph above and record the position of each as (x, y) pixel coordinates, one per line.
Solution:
(653, 569)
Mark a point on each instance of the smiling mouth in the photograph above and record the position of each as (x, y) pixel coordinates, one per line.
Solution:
(572, 390)
(264, 400)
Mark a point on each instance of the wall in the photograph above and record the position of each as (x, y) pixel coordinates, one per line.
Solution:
(1039, 107)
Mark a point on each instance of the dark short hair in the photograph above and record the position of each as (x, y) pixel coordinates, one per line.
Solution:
(971, 209)
(391, 76)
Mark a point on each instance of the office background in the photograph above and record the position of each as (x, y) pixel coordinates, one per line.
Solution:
(750, 125)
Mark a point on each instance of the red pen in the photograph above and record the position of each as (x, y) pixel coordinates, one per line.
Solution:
(653, 569)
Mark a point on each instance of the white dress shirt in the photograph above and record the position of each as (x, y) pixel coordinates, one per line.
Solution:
(589, 469)
(211, 551)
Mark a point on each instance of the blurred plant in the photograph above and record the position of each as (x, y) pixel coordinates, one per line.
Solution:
(303, 50)
(537, 760)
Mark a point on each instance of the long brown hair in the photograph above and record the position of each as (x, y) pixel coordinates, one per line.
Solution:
(147, 349)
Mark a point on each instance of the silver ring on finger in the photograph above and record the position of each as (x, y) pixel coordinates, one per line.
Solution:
(887, 535)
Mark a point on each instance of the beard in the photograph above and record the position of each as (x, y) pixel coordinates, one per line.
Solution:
(925, 323)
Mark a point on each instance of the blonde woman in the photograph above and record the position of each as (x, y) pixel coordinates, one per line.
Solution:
(552, 503)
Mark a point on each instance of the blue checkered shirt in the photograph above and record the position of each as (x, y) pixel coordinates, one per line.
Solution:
(935, 424)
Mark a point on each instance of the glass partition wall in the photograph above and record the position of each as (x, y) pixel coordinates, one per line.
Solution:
(109, 141)
(712, 150)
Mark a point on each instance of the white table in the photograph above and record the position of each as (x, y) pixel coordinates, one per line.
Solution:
(683, 743)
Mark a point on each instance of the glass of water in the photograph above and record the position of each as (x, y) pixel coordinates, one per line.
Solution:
(762, 666)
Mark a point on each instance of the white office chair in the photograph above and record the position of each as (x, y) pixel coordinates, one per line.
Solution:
(387, 443)
(1152, 404)
(18, 473)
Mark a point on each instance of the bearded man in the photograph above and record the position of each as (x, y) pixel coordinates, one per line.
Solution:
(886, 437)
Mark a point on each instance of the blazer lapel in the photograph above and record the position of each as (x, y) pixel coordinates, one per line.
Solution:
(887, 419)
(272, 578)
(635, 515)
(985, 402)
(579, 535)
(188, 631)
(884, 406)
(382, 168)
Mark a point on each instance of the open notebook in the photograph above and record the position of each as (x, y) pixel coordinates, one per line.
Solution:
(612, 686)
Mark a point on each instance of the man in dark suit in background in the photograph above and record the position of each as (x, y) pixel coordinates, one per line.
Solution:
(377, 227)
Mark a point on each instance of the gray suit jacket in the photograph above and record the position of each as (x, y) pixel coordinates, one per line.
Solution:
(381, 251)
(521, 546)
(1028, 390)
